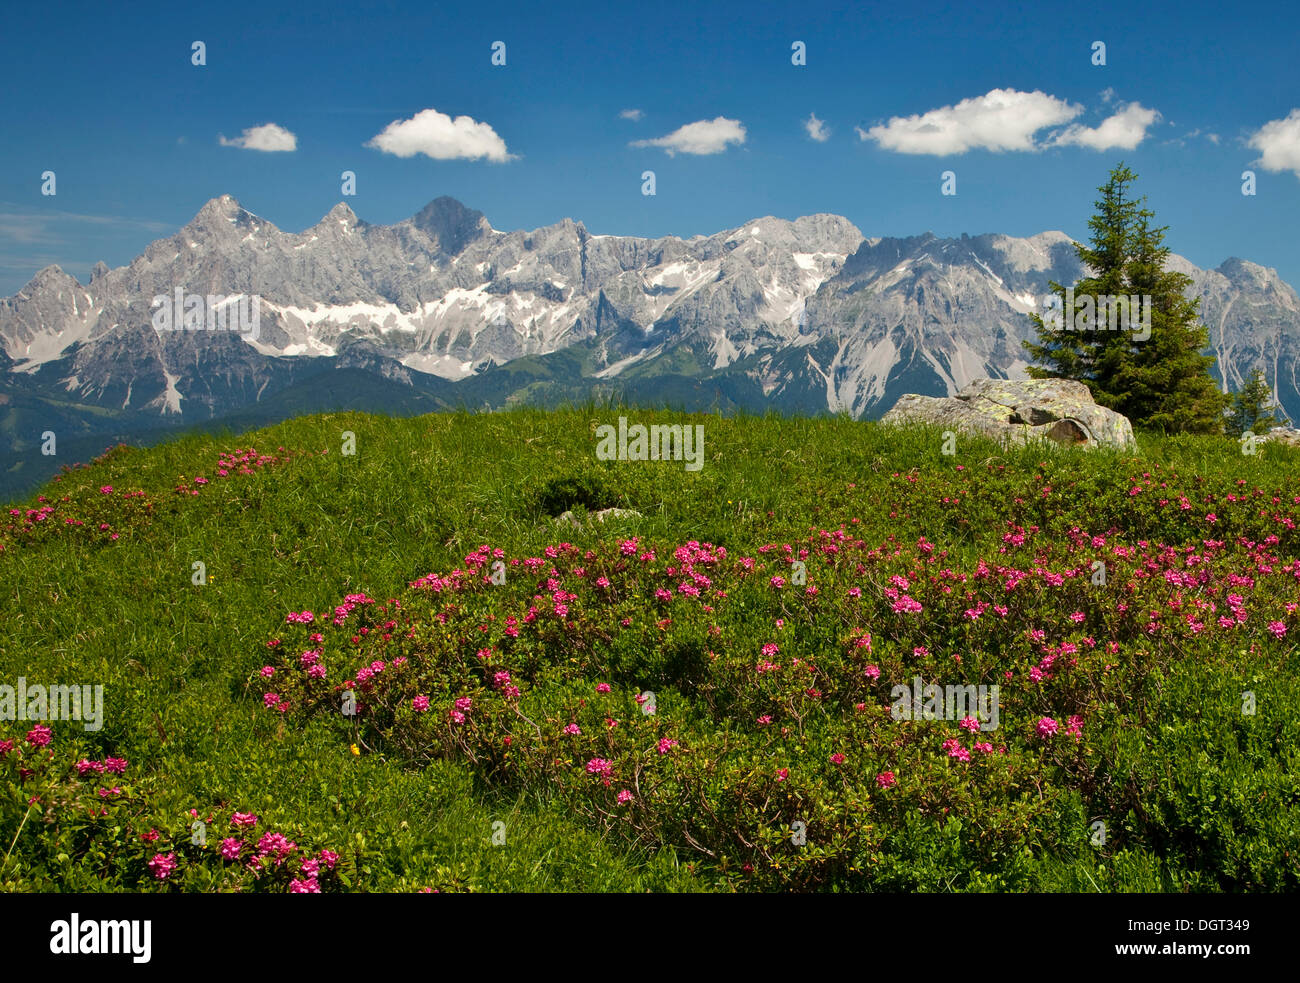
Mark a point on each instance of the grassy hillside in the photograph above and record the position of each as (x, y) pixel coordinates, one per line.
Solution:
(1147, 726)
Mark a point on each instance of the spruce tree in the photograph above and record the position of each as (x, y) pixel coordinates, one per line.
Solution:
(1076, 347)
(1252, 408)
(1162, 381)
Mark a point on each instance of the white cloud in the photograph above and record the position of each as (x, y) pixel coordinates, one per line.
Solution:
(1278, 142)
(632, 114)
(862, 134)
(1213, 138)
(701, 137)
(1124, 130)
(1108, 95)
(817, 128)
(268, 137)
(1003, 119)
(437, 135)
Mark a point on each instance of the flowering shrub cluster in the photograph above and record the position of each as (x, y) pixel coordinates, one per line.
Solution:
(81, 822)
(241, 461)
(100, 515)
(773, 753)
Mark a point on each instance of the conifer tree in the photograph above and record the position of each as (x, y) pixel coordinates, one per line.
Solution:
(1161, 381)
(1252, 408)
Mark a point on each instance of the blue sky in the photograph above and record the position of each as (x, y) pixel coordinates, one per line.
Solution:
(109, 100)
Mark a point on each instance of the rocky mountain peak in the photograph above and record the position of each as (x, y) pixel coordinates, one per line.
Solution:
(342, 213)
(450, 224)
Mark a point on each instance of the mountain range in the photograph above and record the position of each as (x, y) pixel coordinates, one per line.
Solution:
(442, 310)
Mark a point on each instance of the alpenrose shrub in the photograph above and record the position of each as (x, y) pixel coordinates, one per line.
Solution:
(99, 516)
(82, 824)
(773, 755)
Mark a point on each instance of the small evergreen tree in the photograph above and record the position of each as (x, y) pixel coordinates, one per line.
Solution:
(1252, 408)
(1162, 381)
(1079, 352)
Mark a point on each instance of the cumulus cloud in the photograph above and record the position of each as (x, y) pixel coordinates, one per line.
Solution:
(817, 128)
(1124, 130)
(632, 114)
(1003, 119)
(268, 137)
(710, 136)
(437, 135)
(1278, 143)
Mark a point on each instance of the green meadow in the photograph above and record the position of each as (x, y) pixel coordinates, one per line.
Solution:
(1170, 762)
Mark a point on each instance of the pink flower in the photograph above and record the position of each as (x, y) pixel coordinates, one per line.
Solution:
(1046, 727)
(420, 704)
(1278, 629)
(1074, 726)
(770, 649)
(886, 779)
(39, 736)
(309, 886)
(162, 865)
(267, 672)
(765, 719)
(329, 859)
(573, 729)
(969, 723)
(243, 819)
(599, 766)
(624, 797)
(666, 745)
(231, 847)
(106, 490)
(872, 673)
(837, 758)
(602, 687)
(782, 774)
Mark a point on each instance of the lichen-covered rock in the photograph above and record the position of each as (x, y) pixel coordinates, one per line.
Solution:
(569, 519)
(1020, 410)
(1281, 435)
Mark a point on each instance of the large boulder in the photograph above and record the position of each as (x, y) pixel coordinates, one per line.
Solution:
(1281, 435)
(1019, 410)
